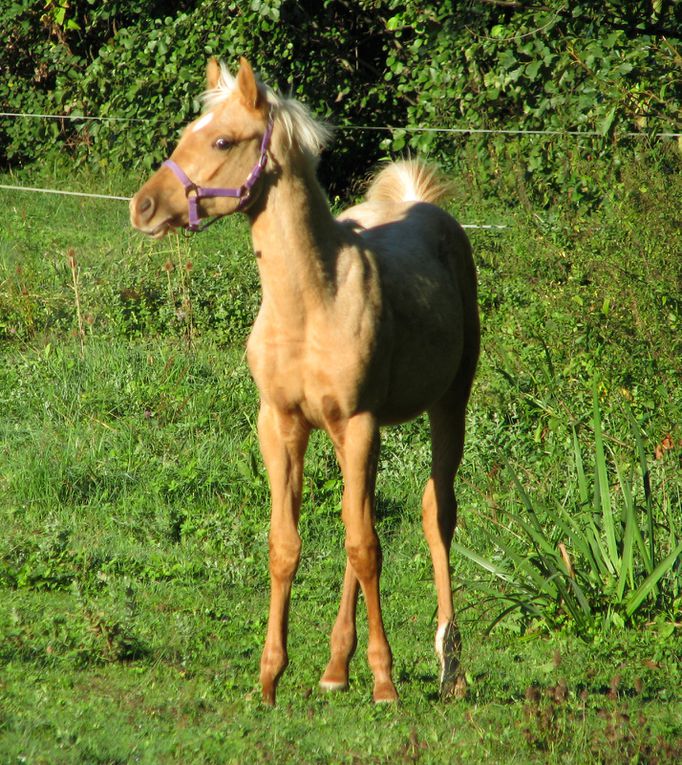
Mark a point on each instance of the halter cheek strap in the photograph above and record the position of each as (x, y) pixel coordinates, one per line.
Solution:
(194, 192)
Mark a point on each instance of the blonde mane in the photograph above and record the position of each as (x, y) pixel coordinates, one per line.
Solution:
(295, 118)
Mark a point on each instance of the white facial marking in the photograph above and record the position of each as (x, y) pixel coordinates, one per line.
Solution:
(203, 121)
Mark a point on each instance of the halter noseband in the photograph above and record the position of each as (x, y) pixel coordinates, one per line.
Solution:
(194, 192)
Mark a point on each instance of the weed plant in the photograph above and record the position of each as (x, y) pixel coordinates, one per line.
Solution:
(587, 561)
(133, 559)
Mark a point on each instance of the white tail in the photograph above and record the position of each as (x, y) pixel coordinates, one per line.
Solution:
(408, 181)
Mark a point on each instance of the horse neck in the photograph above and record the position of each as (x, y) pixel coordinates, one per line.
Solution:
(295, 238)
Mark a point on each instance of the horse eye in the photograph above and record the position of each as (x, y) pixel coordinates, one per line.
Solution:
(223, 144)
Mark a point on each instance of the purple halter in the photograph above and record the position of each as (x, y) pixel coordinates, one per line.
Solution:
(194, 192)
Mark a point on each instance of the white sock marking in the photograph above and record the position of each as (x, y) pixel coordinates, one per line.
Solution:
(440, 636)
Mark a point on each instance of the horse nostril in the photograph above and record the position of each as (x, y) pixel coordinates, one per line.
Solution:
(142, 208)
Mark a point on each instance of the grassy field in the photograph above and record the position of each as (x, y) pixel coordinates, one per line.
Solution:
(133, 558)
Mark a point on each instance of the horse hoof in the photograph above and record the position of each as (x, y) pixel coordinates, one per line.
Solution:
(385, 693)
(335, 677)
(269, 695)
(333, 685)
(456, 688)
(453, 683)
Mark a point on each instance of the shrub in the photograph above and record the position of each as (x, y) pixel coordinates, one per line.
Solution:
(608, 70)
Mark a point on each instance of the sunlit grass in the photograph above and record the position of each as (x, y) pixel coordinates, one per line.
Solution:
(133, 558)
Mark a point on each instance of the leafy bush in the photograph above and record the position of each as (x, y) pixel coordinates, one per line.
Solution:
(606, 69)
(587, 68)
(151, 73)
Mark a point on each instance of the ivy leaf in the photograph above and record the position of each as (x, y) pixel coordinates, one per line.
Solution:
(605, 125)
(533, 68)
(507, 59)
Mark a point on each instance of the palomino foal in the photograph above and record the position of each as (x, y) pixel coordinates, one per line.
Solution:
(366, 320)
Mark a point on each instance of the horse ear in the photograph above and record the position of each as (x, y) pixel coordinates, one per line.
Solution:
(248, 87)
(212, 73)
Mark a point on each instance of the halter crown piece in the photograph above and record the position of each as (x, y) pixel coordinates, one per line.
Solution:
(194, 192)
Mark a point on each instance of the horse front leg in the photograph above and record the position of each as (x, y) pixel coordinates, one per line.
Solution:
(283, 440)
(358, 452)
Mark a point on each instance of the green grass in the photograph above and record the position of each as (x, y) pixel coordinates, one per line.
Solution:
(133, 559)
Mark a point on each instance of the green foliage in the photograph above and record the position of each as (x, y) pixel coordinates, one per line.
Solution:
(603, 69)
(151, 74)
(133, 290)
(547, 67)
(581, 299)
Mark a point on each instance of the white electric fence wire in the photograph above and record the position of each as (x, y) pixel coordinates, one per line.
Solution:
(503, 131)
(72, 117)
(459, 131)
(61, 191)
(387, 128)
(489, 226)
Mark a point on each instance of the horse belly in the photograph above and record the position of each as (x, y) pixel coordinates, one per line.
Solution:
(427, 345)
(421, 374)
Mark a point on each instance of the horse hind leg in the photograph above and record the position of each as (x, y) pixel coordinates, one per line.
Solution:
(439, 518)
(344, 636)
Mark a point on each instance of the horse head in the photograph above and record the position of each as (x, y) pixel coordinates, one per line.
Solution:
(215, 168)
